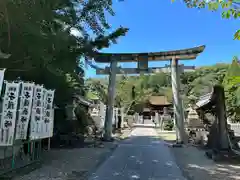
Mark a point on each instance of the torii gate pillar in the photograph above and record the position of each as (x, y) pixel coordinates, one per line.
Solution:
(174, 56)
(110, 101)
(177, 101)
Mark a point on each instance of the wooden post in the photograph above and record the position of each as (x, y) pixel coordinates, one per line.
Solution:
(110, 101)
(49, 144)
(222, 117)
(178, 109)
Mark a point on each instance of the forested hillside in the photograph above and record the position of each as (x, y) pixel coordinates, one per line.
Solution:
(134, 90)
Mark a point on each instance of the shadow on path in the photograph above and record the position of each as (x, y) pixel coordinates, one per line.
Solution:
(142, 156)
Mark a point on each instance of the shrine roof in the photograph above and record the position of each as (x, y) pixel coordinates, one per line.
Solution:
(182, 54)
(159, 100)
(204, 100)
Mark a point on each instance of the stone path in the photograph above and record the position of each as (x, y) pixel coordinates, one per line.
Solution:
(142, 157)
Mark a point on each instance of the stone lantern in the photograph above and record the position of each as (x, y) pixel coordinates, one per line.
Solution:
(193, 120)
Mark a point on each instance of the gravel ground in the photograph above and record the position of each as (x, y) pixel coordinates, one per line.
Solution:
(70, 164)
(196, 166)
(77, 164)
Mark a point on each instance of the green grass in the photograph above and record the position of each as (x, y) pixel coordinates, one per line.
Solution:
(167, 136)
(123, 137)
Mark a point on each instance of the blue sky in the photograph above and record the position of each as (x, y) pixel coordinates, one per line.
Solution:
(160, 25)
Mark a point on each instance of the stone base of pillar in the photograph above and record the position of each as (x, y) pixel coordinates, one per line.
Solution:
(177, 145)
(107, 139)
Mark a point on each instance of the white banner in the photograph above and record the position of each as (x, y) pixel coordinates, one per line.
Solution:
(37, 113)
(2, 71)
(48, 115)
(25, 109)
(102, 114)
(9, 113)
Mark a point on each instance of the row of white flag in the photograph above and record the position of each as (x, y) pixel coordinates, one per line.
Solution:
(26, 104)
(101, 112)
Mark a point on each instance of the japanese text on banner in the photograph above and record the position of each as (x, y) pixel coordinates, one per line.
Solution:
(37, 113)
(25, 109)
(9, 113)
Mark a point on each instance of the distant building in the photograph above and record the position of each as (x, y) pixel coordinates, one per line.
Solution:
(155, 104)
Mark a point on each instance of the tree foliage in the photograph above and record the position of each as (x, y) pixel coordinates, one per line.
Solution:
(230, 9)
(38, 36)
(193, 84)
(47, 41)
(232, 89)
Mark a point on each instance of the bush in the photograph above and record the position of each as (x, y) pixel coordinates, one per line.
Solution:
(169, 126)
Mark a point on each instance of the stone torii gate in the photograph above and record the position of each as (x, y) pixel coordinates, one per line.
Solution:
(142, 59)
(164, 69)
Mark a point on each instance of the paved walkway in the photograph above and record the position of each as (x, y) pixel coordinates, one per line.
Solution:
(142, 157)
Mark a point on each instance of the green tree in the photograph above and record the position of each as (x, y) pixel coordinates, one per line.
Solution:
(194, 84)
(37, 35)
(97, 88)
(232, 89)
(158, 82)
(231, 8)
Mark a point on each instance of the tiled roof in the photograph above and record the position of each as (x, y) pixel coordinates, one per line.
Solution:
(203, 100)
(159, 100)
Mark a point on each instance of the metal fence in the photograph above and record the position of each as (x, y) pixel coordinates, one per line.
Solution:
(19, 155)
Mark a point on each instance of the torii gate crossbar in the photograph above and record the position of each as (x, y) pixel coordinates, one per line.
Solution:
(143, 59)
